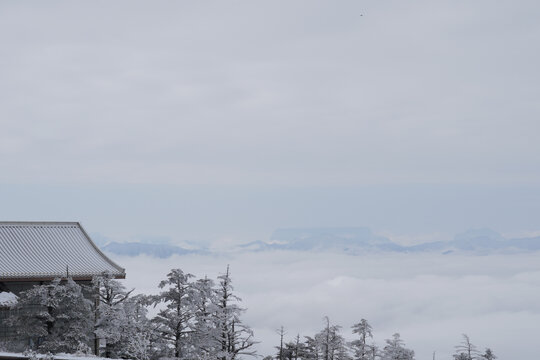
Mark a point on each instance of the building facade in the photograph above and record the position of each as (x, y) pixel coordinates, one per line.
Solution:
(35, 253)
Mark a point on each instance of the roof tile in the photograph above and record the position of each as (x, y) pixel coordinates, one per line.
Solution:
(48, 250)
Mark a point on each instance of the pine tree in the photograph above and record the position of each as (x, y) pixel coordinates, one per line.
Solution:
(395, 350)
(111, 320)
(294, 349)
(467, 348)
(280, 348)
(204, 327)
(330, 345)
(362, 351)
(136, 329)
(55, 317)
(488, 355)
(311, 349)
(374, 352)
(235, 337)
(175, 320)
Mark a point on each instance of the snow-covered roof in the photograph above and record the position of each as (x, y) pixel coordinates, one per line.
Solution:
(8, 299)
(46, 250)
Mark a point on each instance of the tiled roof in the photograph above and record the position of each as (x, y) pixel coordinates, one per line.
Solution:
(45, 250)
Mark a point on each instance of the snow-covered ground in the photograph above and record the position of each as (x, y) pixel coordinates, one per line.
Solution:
(7, 299)
(10, 355)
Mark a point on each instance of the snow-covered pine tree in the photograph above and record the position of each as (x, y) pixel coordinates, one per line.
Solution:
(329, 344)
(235, 337)
(293, 349)
(374, 351)
(290, 350)
(362, 351)
(311, 349)
(111, 322)
(137, 329)
(205, 331)
(33, 317)
(299, 348)
(488, 355)
(395, 350)
(280, 348)
(175, 321)
(55, 317)
(466, 350)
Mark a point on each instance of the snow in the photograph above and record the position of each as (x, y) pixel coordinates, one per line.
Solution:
(60, 356)
(8, 299)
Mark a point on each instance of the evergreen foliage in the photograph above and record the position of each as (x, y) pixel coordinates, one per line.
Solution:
(395, 349)
(362, 350)
(55, 317)
(466, 350)
(196, 319)
(119, 321)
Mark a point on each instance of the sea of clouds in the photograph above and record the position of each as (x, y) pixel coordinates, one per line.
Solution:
(429, 299)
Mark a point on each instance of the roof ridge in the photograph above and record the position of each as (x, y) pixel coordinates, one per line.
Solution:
(39, 223)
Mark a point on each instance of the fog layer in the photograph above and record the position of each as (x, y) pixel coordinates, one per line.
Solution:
(430, 299)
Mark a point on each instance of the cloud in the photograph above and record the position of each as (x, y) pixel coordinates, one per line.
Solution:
(431, 300)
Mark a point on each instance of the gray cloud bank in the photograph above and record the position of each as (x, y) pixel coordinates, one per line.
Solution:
(431, 300)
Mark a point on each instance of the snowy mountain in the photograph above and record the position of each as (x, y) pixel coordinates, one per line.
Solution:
(351, 240)
(524, 244)
(356, 241)
(155, 250)
(473, 240)
(348, 240)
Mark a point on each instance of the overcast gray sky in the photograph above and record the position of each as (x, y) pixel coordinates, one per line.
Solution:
(274, 92)
(295, 112)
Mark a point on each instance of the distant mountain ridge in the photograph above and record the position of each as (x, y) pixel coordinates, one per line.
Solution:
(156, 250)
(357, 241)
(348, 240)
(159, 247)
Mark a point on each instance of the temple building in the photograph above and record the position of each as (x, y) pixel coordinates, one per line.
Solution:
(34, 253)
